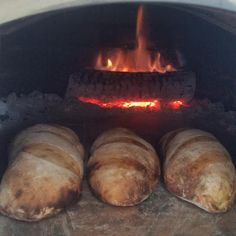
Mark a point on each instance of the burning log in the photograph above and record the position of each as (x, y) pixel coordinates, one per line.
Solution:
(107, 85)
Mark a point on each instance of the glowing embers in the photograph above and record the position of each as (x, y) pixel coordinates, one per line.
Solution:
(145, 104)
(176, 104)
(140, 59)
(151, 104)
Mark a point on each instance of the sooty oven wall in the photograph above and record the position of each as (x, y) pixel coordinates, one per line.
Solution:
(40, 52)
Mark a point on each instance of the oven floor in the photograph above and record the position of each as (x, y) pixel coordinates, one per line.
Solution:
(162, 214)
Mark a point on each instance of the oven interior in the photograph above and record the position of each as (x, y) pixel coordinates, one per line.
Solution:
(38, 55)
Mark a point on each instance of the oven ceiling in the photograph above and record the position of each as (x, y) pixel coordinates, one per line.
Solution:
(12, 10)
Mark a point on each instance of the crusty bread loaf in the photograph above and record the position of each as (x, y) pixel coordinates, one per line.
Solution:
(123, 169)
(198, 169)
(44, 173)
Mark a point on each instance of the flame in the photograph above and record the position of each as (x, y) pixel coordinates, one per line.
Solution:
(176, 104)
(138, 60)
(109, 63)
(152, 104)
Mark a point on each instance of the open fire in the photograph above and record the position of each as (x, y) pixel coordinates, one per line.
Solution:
(139, 59)
(137, 78)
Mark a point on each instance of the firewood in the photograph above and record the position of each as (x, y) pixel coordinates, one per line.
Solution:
(107, 85)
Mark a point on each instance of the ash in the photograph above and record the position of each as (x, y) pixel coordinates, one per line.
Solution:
(27, 109)
(20, 111)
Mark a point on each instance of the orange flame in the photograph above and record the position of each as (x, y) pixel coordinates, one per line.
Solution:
(152, 104)
(137, 60)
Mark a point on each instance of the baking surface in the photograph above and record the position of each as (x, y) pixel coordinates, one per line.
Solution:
(162, 214)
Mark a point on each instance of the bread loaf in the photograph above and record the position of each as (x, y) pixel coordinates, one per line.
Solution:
(123, 169)
(44, 173)
(198, 169)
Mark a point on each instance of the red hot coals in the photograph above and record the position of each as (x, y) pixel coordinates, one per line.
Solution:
(151, 104)
(148, 104)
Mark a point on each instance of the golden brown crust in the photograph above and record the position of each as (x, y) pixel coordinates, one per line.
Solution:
(45, 174)
(122, 170)
(120, 135)
(54, 155)
(134, 189)
(196, 167)
(63, 137)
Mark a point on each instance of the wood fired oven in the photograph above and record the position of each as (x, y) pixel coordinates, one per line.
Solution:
(152, 68)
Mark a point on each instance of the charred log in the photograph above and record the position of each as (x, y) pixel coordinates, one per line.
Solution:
(115, 85)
